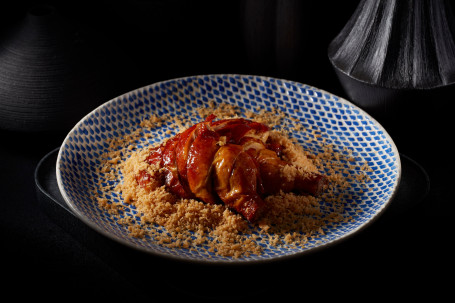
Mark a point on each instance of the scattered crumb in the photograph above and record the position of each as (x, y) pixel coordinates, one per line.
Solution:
(190, 224)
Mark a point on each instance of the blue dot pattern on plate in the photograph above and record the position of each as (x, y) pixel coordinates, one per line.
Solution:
(339, 122)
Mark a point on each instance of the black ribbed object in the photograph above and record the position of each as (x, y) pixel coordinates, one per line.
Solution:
(49, 77)
(394, 57)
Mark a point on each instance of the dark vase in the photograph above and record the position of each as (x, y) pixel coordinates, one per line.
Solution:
(396, 59)
(49, 77)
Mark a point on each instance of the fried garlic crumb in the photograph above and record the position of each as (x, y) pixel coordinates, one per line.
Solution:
(190, 224)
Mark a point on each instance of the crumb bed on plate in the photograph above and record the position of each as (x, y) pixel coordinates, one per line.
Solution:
(291, 220)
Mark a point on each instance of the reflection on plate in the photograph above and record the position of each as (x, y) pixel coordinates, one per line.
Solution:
(337, 121)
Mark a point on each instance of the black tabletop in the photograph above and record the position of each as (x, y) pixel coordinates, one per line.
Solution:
(48, 253)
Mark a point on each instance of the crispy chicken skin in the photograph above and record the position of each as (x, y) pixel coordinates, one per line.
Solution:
(199, 163)
(238, 181)
(228, 161)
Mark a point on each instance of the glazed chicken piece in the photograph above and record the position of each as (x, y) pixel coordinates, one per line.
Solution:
(237, 181)
(229, 161)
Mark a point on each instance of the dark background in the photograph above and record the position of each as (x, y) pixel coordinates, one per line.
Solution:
(142, 42)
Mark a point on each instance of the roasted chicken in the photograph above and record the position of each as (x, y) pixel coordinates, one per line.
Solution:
(229, 161)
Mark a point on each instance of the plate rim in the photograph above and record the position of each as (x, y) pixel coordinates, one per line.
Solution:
(233, 261)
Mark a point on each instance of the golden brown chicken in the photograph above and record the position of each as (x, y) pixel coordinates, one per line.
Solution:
(229, 161)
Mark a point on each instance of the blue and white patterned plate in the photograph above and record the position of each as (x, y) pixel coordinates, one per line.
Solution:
(339, 123)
